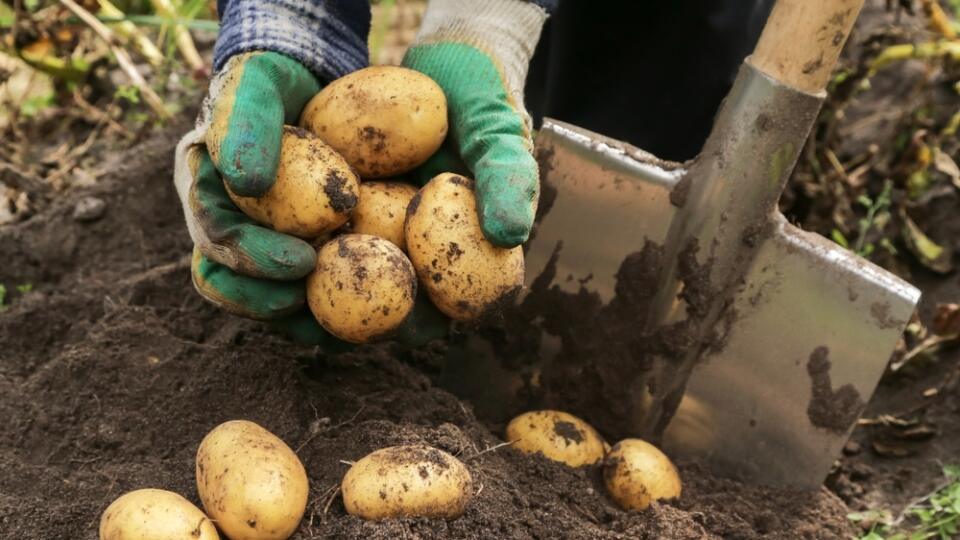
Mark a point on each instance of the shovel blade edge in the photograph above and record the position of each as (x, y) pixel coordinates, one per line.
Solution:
(811, 332)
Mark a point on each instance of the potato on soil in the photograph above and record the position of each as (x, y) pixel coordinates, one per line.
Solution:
(637, 472)
(363, 287)
(464, 274)
(558, 436)
(407, 481)
(382, 210)
(251, 483)
(314, 192)
(385, 120)
(154, 514)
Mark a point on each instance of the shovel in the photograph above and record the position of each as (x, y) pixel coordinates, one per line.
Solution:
(675, 303)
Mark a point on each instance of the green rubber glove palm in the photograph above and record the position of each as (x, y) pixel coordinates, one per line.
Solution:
(478, 51)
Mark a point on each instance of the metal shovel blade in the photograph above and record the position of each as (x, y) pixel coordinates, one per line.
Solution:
(642, 273)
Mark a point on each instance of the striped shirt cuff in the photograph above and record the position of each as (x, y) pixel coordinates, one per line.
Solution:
(329, 37)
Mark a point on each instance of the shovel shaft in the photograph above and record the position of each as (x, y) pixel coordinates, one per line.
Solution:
(802, 40)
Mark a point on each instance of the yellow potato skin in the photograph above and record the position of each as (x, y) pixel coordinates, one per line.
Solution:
(154, 514)
(464, 274)
(382, 210)
(558, 436)
(251, 483)
(362, 289)
(637, 473)
(385, 120)
(314, 192)
(407, 481)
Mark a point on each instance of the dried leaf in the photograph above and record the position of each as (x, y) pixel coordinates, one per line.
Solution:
(946, 320)
(889, 449)
(922, 432)
(929, 253)
(945, 164)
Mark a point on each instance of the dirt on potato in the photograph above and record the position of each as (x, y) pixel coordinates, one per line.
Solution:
(112, 370)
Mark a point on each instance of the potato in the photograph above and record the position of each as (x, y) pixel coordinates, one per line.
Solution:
(154, 514)
(407, 481)
(465, 275)
(558, 436)
(314, 191)
(636, 473)
(362, 289)
(251, 483)
(382, 210)
(385, 120)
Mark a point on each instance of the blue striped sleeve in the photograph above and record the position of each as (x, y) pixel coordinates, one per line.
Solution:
(329, 37)
(549, 5)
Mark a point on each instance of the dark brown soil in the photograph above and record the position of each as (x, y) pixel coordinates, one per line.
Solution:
(112, 370)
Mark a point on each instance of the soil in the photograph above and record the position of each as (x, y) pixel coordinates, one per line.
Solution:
(113, 370)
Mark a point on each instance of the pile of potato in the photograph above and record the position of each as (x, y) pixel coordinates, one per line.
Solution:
(251, 484)
(635, 472)
(339, 185)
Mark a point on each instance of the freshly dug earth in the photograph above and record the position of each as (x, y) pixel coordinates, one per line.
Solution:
(112, 370)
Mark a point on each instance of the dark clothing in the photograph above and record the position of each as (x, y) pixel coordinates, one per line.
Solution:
(650, 73)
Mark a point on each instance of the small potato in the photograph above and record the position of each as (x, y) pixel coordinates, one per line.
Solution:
(363, 288)
(385, 120)
(154, 514)
(382, 210)
(558, 436)
(407, 481)
(251, 483)
(637, 472)
(464, 274)
(314, 191)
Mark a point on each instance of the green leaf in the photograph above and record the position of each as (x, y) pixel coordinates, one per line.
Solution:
(24, 288)
(127, 92)
(3, 297)
(839, 238)
(36, 104)
(929, 253)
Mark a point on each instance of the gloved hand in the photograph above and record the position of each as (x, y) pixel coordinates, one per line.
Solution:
(478, 51)
(239, 265)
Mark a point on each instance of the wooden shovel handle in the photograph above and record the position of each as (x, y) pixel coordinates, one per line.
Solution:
(802, 40)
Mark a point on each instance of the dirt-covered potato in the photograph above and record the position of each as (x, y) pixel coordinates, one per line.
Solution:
(382, 210)
(637, 472)
(464, 274)
(154, 514)
(407, 481)
(251, 483)
(314, 191)
(363, 287)
(558, 436)
(385, 120)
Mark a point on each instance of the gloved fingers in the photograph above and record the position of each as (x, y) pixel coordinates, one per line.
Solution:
(445, 159)
(234, 239)
(251, 100)
(507, 190)
(242, 295)
(491, 134)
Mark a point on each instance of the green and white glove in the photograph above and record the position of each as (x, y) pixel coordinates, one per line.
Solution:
(246, 269)
(479, 51)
